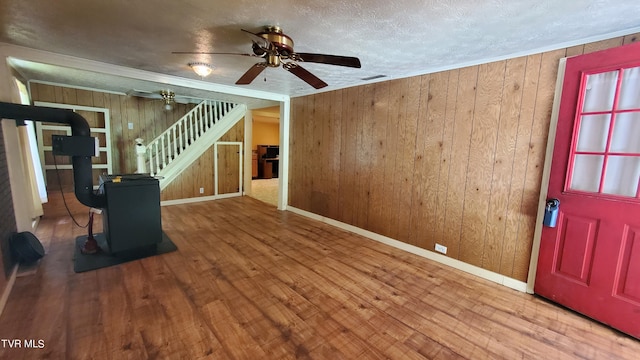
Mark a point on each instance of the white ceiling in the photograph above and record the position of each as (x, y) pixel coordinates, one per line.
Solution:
(396, 39)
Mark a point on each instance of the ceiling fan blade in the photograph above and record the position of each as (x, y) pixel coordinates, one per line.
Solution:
(305, 75)
(263, 43)
(144, 94)
(349, 61)
(211, 53)
(251, 74)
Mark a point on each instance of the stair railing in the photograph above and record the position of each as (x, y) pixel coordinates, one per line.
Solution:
(164, 149)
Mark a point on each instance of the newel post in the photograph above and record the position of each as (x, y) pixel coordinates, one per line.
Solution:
(141, 150)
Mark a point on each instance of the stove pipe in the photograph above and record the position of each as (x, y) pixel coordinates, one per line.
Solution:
(82, 174)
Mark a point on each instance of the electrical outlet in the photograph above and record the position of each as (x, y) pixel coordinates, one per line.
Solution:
(441, 248)
(130, 126)
(201, 190)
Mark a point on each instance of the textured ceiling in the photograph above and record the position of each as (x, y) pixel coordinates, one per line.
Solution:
(396, 39)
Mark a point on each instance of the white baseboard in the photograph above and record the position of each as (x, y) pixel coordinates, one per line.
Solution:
(197, 199)
(456, 264)
(8, 287)
(187, 200)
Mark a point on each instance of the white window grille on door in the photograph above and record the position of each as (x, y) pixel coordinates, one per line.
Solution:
(605, 152)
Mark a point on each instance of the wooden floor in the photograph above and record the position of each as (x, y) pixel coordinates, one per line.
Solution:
(250, 282)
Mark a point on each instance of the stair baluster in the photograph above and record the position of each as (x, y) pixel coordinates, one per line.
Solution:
(191, 129)
(175, 142)
(155, 143)
(201, 118)
(180, 136)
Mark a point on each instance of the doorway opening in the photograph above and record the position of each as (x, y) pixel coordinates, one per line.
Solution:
(265, 154)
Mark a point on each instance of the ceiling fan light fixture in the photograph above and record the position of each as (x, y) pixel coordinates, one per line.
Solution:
(202, 69)
(169, 97)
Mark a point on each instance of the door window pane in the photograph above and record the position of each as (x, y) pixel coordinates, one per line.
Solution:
(626, 133)
(630, 89)
(587, 170)
(600, 91)
(621, 176)
(593, 133)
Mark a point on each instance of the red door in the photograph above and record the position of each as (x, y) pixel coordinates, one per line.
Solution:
(590, 261)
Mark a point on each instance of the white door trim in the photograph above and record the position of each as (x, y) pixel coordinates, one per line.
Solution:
(546, 173)
(283, 166)
(248, 150)
(215, 168)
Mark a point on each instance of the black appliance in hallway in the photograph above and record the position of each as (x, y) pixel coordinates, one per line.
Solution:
(131, 218)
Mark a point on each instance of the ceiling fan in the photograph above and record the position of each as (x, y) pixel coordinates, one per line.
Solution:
(276, 48)
(168, 97)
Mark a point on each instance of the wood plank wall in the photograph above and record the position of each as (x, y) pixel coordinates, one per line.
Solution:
(149, 120)
(148, 117)
(454, 157)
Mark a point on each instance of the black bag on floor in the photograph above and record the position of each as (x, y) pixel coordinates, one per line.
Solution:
(26, 247)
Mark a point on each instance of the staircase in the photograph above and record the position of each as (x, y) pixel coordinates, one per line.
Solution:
(187, 139)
